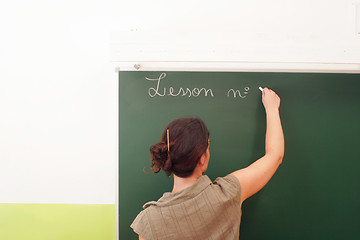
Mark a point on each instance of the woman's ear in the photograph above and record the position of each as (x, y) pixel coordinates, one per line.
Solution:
(203, 162)
(202, 159)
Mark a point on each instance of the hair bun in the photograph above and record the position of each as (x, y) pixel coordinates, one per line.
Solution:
(160, 158)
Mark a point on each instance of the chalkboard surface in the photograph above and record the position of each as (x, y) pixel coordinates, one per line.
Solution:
(315, 194)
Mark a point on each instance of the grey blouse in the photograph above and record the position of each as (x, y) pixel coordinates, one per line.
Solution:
(205, 210)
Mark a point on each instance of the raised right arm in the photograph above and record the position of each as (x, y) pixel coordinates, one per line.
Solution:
(254, 177)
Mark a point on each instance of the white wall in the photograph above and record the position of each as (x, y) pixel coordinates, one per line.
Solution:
(58, 87)
(300, 32)
(58, 103)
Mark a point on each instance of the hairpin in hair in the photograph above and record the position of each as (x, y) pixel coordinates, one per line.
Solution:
(168, 139)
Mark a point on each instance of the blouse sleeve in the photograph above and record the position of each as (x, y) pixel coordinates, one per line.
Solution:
(230, 187)
(141, 226)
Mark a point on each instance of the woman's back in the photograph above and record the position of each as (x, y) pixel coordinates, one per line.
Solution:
(205, 210)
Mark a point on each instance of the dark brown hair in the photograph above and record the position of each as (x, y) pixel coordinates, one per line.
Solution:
(188, 140)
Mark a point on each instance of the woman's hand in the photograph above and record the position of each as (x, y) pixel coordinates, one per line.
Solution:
(270, 100)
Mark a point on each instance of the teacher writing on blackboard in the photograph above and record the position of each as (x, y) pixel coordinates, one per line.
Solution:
(198, 208)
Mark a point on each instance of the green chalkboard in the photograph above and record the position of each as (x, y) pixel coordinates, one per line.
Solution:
(315, 194)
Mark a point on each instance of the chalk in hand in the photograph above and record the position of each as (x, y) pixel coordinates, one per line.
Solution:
(261, 89)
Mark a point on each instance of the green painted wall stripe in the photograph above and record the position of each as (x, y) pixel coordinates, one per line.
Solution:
(57, 221)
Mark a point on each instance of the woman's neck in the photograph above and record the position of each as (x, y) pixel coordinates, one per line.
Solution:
(182, 183)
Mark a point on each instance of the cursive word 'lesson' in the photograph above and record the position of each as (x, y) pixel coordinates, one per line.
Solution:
(194, 92)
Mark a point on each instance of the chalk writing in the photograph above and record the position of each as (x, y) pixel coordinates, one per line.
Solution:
(238, 92)
(195, 92)
(156, 91)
